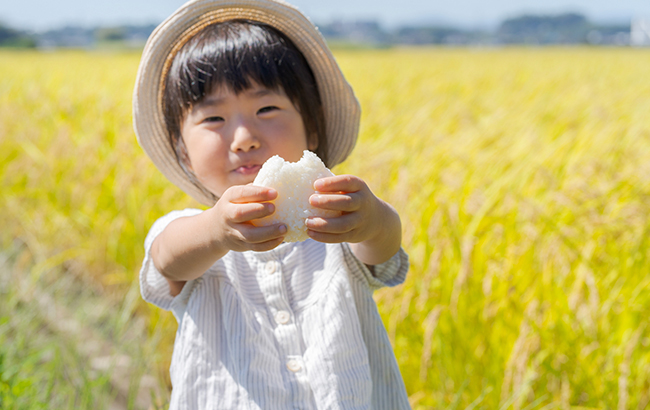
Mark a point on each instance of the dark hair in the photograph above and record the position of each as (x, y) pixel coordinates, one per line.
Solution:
(232, 54)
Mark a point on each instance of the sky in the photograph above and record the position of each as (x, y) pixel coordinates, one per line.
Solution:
(41, 15)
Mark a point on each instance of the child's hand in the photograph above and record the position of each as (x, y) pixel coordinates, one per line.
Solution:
(232, 215)
(370, 225)
(358, 205)
(188, 246)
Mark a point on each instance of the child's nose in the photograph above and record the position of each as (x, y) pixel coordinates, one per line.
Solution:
(244, 139)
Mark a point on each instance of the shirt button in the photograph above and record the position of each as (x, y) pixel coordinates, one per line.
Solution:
(282, 317)
(294, 365)
(269, 268)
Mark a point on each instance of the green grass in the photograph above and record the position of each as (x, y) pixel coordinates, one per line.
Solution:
(521, 175)
(40, 369)
(63, 346)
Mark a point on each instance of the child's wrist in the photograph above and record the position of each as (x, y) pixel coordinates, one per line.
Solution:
(215, 233)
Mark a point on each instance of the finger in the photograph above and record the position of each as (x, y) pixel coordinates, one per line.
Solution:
(330, 237)
(265, 246)
(349, 202)
(245, 212)
(249, 193)
(255, 235)
(340, 225)
(339, 183)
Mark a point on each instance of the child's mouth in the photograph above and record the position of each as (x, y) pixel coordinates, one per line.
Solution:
(248, 169)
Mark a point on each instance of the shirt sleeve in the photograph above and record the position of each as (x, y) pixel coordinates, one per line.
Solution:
(390, 273)
(153, 286)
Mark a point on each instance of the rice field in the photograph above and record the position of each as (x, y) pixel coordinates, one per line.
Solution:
(522, 177)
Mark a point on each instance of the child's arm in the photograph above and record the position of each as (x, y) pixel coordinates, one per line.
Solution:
(371, 226)
(189, 246)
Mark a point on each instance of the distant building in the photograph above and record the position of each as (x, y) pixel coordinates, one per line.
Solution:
(640, 32)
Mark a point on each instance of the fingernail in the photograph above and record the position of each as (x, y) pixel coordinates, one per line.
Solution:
(318, 184)
(283, 229)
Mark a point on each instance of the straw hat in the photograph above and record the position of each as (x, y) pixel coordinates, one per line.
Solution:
(341, 108)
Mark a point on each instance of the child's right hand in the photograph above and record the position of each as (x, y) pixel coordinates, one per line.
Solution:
(233, 214)
(188, 246)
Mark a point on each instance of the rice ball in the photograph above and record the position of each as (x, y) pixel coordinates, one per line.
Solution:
(294, 182)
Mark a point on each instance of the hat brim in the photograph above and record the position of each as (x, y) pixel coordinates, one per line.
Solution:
(341, 108)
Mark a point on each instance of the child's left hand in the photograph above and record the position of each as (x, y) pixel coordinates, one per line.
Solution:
(358, 205)
(370, 225)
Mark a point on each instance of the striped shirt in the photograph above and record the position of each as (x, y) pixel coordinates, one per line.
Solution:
(291, 328)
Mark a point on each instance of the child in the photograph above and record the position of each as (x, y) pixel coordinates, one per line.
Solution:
(223, 86)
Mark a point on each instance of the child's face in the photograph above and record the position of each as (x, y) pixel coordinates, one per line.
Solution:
(229, 136)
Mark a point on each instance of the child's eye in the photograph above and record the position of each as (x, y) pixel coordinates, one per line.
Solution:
(213, 119)
(267, 109)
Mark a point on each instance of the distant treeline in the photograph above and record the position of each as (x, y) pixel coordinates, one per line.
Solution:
(15, 38)
(568, 28)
